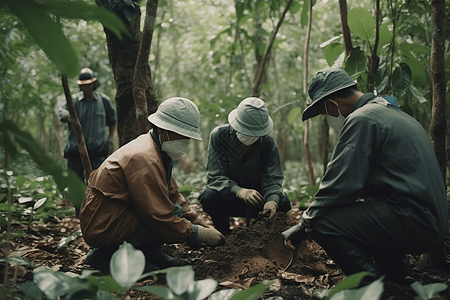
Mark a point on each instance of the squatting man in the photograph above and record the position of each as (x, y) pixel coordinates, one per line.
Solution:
(383, 194)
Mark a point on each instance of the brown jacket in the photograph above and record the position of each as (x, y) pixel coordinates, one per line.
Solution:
(128, 187)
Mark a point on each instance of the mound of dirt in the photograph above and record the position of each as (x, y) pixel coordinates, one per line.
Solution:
(257, 253)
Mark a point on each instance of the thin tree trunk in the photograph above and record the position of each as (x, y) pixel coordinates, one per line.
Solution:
(305, 91)
(374, 59)
(345, 29)
(262, 65)
(77, 129)
(143, 95)
(438, 126)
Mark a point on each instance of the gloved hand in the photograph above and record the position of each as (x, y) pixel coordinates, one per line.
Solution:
(251, 197)
(295, 235)
(200, 221)
(269, 210)
(210, 236)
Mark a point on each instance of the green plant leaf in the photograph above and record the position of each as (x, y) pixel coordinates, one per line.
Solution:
(127, 265)
(417, 94)
(53, 284)
(18, 260)
(161, 291)
(253, 292)
(361, 23)
(30, 290)
(294, 114)
(201, 289)
(105, 283)
(401, 80)
(223, 294)
(372, 291)
(428, 291)
(349, 282)
(69, 184)
(180, 278)
(332, 52)
(47, 34)
(356, 63)
(385, 36)
(39, 203)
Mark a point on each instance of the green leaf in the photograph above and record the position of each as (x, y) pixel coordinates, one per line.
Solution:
(39, 203)
(304, 17)
(105, 283)
(349, 282)
(385, 36)
(18, 260)
(223, 294)
(332, 52)
(428, 291)
(127, 265)
(295, 7)
(253, 292)
(356, 63)
(180, 278)
(161, 291)
(53, 284)
(47, 34)
(201, 289)
(418, 72)
(294, 114)
(417, 94)
(372, 291)
(361, 23)
(31, 290)
(66, 240)
(69, 184)
(401, 80)
(20, 181)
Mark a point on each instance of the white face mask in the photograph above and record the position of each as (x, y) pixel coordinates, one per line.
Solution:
(335, 122)
(246, 139)
(175, 149)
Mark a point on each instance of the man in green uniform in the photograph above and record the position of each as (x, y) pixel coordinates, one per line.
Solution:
(383, 195)
(243, 168)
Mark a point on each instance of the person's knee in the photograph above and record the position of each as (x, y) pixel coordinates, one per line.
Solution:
(209, 200)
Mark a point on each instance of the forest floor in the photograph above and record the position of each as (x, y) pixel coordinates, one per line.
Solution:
(251, 255)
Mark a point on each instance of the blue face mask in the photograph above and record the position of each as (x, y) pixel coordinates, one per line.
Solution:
(335, 122)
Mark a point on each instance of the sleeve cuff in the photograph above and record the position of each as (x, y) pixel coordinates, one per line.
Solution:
(194, 233)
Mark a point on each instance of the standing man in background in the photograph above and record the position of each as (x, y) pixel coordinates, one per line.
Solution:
(95, 112)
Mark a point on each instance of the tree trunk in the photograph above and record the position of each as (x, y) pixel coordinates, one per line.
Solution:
(262, 65)
(77, 129)
(305, 91)
(143, 95)
(122, 56)
(438, 126)
(345, 29)
(374, 59)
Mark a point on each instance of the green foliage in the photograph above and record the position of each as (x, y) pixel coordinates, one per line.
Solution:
(428, 291)
(127, 265)
(39, 19)
(346, 289)
(67, 182)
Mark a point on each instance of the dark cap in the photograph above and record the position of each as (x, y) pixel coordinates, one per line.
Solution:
(324, 83)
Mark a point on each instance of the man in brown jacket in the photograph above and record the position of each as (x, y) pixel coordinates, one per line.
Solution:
(133, 197)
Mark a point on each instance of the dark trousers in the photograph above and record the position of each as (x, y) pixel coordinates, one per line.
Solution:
(221, 209)
(372, 236)
(75, 164)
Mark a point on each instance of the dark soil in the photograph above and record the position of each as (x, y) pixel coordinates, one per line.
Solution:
(251, 255)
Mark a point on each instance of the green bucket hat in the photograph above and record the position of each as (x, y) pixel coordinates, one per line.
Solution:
(179, 115)
(251, 117)
(324, 83)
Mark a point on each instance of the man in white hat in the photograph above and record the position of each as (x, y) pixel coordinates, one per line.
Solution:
(95, 112)
(244, 168)
(133, 197)
(383, 195)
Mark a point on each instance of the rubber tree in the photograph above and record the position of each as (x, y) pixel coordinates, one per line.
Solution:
(132, 76)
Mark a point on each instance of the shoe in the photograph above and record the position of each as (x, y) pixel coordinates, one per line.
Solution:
(160, 259)
(395, 267)
(99, 260)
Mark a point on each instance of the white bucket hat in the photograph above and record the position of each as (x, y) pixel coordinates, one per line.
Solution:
(179, 115)
(251, 117)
